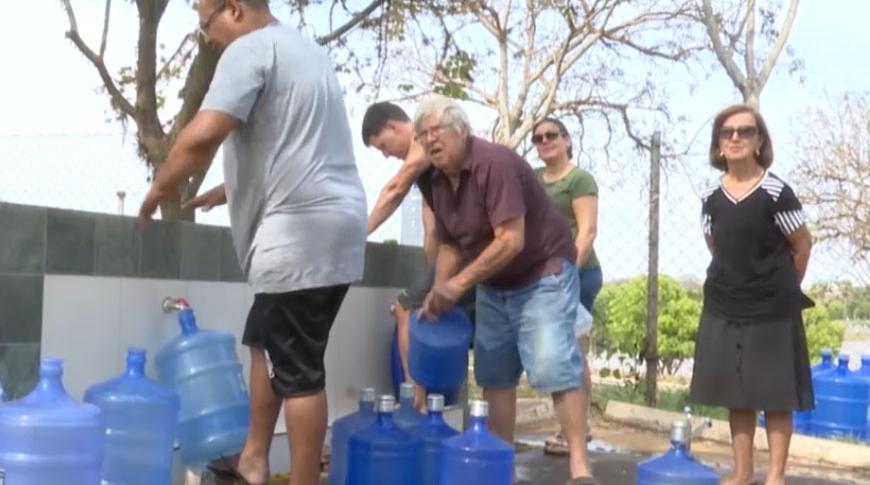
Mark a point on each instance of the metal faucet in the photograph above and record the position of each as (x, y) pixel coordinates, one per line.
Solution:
(171, 304)
(705, 423)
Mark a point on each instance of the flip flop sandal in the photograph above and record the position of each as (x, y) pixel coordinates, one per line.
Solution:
(225, 473)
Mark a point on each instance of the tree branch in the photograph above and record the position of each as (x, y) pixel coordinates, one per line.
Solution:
(724, 56)
(119, 102)
(749, 55)
(105, 28)
(781, 39)
(358, 18)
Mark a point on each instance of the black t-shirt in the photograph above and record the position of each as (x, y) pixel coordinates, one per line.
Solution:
(752, 275)
(424, 183)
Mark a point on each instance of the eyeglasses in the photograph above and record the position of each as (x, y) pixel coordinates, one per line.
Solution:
(434, 130)
(202, 31)
(743, 132)
(537, 139)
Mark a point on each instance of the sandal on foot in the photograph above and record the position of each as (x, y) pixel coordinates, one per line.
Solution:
(556, 444)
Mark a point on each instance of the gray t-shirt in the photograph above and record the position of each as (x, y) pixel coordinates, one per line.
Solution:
(296, 202)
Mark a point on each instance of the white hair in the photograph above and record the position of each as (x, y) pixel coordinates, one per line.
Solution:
(446, 111)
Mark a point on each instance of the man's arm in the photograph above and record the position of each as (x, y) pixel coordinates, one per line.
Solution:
(192, 153)
(509, 240)
(397, 188)
(430, 241)
(448, 262)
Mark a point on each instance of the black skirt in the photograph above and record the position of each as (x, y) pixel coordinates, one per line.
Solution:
(752, 365)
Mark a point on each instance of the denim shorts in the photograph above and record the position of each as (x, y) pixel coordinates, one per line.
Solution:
(532, 329)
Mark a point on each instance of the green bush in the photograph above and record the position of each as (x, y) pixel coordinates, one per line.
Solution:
(822, 331)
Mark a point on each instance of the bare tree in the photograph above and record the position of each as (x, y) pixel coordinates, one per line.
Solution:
(195, 61)
(737, 39)
(530, 59)
(833, 157)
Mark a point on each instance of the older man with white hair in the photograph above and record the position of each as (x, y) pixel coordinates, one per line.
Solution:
(491, 211)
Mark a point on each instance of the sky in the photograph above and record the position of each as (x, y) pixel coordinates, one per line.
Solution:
(57, 147)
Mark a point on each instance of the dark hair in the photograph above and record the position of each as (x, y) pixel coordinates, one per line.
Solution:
(765, 155)
(376, 118)
(562, 129)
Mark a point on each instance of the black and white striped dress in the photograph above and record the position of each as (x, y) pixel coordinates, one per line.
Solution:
(750, 350)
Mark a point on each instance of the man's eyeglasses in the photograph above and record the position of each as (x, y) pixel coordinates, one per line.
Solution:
(743, 132)
(537, 139)
(434, 130)
(202, 31)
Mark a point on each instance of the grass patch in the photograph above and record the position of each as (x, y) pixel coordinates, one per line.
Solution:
(667, 399)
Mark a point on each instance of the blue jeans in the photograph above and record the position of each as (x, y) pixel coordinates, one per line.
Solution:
(529, 328)
(591, 280)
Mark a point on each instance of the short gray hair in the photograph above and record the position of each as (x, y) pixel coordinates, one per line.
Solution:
(445, 110)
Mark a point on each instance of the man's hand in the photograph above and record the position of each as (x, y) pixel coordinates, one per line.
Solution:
(150, 205)
(207, 200)
(441, 298)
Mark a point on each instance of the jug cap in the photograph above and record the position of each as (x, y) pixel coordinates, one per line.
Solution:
(827, 352)
(406, 390)
(367, 394)
(386, 404)
(479, 409)
(435, 403)
(843, 360)
(51, 367)
(680, 432)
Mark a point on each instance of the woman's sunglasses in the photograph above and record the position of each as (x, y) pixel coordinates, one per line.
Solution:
(743, 132)
(550, 136)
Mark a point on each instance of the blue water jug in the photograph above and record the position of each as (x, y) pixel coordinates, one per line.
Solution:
(864, 373)
(476, 456)
(381, 453)
(407, 417)
(841, 402)
(432, 432)
(677, 466)
(141, 417)
(47, 437)
(342, 428)
(202, 367)
(438, 351)
(396, 371)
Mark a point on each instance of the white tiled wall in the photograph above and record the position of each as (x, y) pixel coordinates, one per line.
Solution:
(91, 321)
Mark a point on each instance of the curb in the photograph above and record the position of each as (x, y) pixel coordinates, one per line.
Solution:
(533, 409)
(804, 447)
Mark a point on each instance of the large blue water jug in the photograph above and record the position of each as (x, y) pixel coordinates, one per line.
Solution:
(438, 351)
(202, 367)
(841, 402)
(381, 453)
(407, 417)
(342, 428)
(864, 373)
(477, 456)
(141, 417)
(677, 466)
(47, 437)
(432, 432)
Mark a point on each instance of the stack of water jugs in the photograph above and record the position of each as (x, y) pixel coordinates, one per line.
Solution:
(379, 445)
(125, 430)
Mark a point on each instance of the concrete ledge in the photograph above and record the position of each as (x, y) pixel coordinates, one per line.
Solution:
(534, 409)
(803, 447)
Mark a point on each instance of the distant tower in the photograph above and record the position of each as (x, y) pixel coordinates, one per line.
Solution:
(412, 219)
(121, 196)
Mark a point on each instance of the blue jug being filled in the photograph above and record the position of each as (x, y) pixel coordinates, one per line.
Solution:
(202, 367)
(47, 437)
(432, 432)
(476, 456)
(381, 453)
(864, 373)
(677, 466)
(342, 428)
(438, 351)
(141, 418)
(407, 417)
(841, 402)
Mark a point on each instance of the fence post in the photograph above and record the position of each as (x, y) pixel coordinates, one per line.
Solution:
(652, 282)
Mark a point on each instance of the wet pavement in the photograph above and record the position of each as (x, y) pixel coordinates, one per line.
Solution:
(610, 467)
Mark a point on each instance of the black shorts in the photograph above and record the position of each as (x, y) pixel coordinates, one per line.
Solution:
(413, 297)
(293, 328)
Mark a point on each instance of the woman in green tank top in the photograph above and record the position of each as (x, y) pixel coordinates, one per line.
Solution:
(575, 194)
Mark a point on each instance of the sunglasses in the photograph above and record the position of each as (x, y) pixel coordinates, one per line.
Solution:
(537, 139)
(743, 132)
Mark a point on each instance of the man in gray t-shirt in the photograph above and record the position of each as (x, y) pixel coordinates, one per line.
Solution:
(297, 212)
